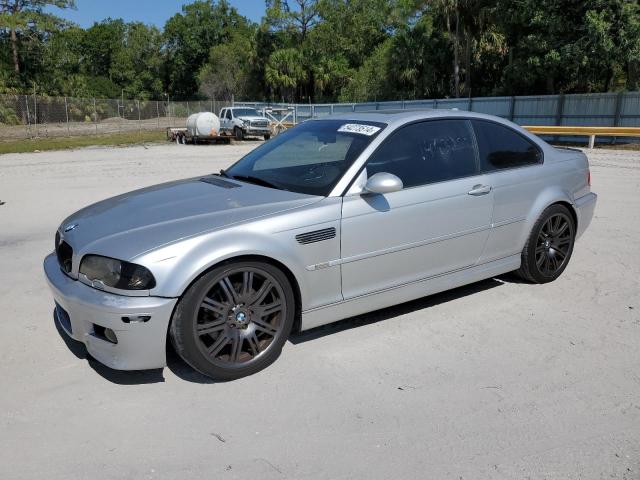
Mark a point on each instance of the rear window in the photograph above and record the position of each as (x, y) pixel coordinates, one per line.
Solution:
(501, 147)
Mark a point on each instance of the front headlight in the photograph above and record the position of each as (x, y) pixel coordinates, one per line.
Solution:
(116, 273)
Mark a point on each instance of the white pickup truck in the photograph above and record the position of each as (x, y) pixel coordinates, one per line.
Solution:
(244, 122)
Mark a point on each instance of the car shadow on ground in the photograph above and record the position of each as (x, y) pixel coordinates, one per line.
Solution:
(183, 371)
(396, 310)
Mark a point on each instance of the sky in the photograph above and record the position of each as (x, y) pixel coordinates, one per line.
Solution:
(155, 12)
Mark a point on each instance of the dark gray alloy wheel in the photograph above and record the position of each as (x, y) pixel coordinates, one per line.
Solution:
(234, 320)
(550, 245)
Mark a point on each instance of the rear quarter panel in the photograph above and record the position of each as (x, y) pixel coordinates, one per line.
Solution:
(522, 194)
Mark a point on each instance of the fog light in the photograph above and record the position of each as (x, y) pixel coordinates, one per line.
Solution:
(104, 333)
(110, 335)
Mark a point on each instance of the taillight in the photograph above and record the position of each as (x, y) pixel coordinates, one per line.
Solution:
(589, 177)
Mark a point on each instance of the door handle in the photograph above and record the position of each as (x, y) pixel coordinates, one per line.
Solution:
(478, 190)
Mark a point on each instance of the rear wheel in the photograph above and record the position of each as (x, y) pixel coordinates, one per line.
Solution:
(549, 247)
(234, 320)
(238, 133)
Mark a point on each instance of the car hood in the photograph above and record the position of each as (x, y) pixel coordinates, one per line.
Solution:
(136, 222)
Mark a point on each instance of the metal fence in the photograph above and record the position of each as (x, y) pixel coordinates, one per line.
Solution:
(35, 116)
(595, 109)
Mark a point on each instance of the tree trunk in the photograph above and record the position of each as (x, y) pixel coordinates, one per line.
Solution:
(608, 80)
(456, 56)
(467, 67)
(14, 49)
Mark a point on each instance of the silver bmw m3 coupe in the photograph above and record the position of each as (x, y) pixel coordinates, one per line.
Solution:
(335, 217)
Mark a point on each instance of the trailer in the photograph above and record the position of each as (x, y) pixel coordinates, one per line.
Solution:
(201, 127)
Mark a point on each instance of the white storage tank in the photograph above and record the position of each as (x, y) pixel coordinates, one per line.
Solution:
(203, 124)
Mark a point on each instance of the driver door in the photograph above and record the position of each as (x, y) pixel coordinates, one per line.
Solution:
(438, 223)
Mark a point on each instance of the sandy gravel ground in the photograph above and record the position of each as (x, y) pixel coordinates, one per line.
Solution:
(496, 380)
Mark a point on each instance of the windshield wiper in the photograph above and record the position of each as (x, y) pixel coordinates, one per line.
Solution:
(257, 181)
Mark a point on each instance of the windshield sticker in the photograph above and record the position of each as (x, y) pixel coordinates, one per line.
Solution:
(367, 130)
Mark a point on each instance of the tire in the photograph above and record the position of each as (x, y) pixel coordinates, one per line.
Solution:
(239, 134)
(234, 320)
(267, 137)
(549, 246)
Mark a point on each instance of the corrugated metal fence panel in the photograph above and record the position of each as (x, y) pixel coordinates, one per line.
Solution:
(498, 106)
(536, 110)
(459, 103)
(598, 109)
(589, 110)
(363, 107)
(390, 105)
(303, 112)
(630, 110)
(343, 108)
(419, 104)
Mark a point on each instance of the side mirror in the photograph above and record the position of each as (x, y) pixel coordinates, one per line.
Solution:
(383, 183)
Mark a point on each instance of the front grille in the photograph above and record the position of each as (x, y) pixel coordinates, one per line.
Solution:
(316, 236)
(64, 252)
(260, 123)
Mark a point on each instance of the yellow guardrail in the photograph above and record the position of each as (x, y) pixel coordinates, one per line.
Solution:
(590, 132)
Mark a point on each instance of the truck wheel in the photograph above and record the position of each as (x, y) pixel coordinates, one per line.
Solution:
(267, 136)
(238, 133)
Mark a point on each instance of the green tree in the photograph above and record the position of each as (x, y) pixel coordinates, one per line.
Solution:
(25, 18)
(137, 65)
(568, 46)
(228, 72)
(189, 37)
(285, 73)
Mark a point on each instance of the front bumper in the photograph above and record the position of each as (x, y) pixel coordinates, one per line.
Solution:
(585, 207)
(79, 308)
(258, 131)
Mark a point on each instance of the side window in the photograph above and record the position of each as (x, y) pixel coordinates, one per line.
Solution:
(427, 152)
(229, 115)
(500, 147)
(223, 113)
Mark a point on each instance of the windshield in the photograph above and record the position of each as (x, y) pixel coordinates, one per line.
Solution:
(246, 112)
(309, 158)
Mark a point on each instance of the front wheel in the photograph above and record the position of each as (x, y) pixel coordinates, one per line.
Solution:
(234, 320)
(238, 133)
(267, 136)
(549, 247)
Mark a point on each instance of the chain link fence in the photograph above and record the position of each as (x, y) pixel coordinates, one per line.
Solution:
(35, 116)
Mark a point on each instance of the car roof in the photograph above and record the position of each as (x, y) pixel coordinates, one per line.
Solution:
(399, 117)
